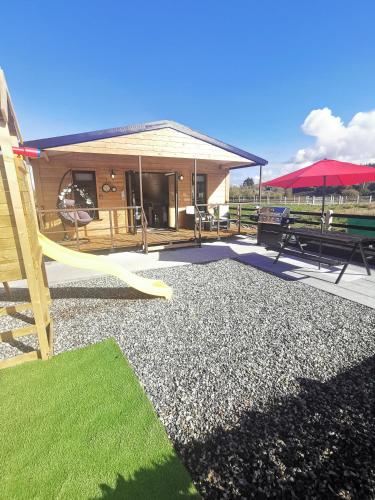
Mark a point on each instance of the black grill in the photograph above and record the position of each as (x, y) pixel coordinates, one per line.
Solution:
(270, 222)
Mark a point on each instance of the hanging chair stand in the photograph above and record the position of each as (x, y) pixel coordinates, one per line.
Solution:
(83, 214)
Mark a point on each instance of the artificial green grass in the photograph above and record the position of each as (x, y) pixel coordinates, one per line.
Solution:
(81, 427)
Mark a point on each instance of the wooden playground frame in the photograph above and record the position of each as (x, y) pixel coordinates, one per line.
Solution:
(20, 253)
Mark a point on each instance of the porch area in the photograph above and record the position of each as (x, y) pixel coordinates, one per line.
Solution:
(128, 228)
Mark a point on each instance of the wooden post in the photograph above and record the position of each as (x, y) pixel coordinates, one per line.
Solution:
(111, 227)
(196, 208)
(218, 221)
(195, 182)
(23, 227)
(7, 291)
(143, 216)
(76, 230)
(140, 180)
(260, 185)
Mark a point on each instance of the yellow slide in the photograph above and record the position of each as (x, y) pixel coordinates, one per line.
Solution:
(98, 263)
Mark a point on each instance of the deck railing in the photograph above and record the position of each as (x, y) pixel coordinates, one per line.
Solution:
(243, 215)
(144, 224)
(119, 227)
(117, 221)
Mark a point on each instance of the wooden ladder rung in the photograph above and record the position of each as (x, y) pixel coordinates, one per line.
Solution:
(21, 358)
(5, 311)
(17, 332)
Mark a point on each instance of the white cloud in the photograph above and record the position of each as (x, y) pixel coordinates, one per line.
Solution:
(353, 142)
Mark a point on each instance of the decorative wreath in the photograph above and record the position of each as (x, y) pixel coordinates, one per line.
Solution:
(84, 196)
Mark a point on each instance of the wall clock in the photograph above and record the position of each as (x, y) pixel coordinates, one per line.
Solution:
(106, 188)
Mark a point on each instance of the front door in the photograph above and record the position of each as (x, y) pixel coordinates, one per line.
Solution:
(160, 197)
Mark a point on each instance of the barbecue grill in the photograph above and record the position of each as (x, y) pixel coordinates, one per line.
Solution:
(271, 221)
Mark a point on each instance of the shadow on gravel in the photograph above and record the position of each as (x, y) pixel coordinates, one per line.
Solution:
(320, 444)
(78, 292)
(266, 264)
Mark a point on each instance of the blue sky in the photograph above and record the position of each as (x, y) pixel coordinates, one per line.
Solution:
(246, 72)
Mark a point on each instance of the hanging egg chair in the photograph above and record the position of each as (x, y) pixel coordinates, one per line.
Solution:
(74, 197)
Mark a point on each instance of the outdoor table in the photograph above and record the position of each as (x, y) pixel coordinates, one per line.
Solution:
(350, 242)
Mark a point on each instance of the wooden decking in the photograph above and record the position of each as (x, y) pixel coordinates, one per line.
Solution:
(155, 238)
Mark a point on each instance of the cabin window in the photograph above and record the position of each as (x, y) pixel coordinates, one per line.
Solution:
(201, 189)
(86, 180)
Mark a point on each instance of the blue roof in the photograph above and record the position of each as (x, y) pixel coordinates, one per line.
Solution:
(65, 140)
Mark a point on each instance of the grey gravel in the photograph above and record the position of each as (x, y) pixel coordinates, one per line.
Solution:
(265, 386)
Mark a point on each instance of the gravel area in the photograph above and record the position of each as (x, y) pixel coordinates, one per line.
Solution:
(265, 386)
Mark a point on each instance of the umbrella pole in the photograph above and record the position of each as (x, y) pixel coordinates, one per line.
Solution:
(322, 218)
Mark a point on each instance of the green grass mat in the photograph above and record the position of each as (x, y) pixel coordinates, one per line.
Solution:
(81, 426)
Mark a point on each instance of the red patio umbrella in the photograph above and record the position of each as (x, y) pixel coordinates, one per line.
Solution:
(325, 173)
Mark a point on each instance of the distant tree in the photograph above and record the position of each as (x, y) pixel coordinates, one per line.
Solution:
(350, 192)
(249, 182)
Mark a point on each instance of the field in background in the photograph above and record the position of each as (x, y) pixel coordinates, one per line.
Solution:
(350, 208)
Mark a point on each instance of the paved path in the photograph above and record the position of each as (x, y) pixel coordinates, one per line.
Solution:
(355, 284)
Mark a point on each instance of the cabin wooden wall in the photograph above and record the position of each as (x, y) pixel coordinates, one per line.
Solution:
(48, 174)
(163, 143)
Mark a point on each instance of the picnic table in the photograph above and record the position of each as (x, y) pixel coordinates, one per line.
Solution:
(351, 242)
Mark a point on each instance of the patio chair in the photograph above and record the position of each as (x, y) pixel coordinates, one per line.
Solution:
(192, 217)
(221, 217)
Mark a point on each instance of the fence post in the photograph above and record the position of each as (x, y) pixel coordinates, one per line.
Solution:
(313, 200)
(370, 199)
(239, 218)
(358, 199)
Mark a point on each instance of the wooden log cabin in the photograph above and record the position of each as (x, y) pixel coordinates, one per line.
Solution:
(146, 184)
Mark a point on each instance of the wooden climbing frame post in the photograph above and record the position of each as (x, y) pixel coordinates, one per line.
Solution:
(20, 253)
